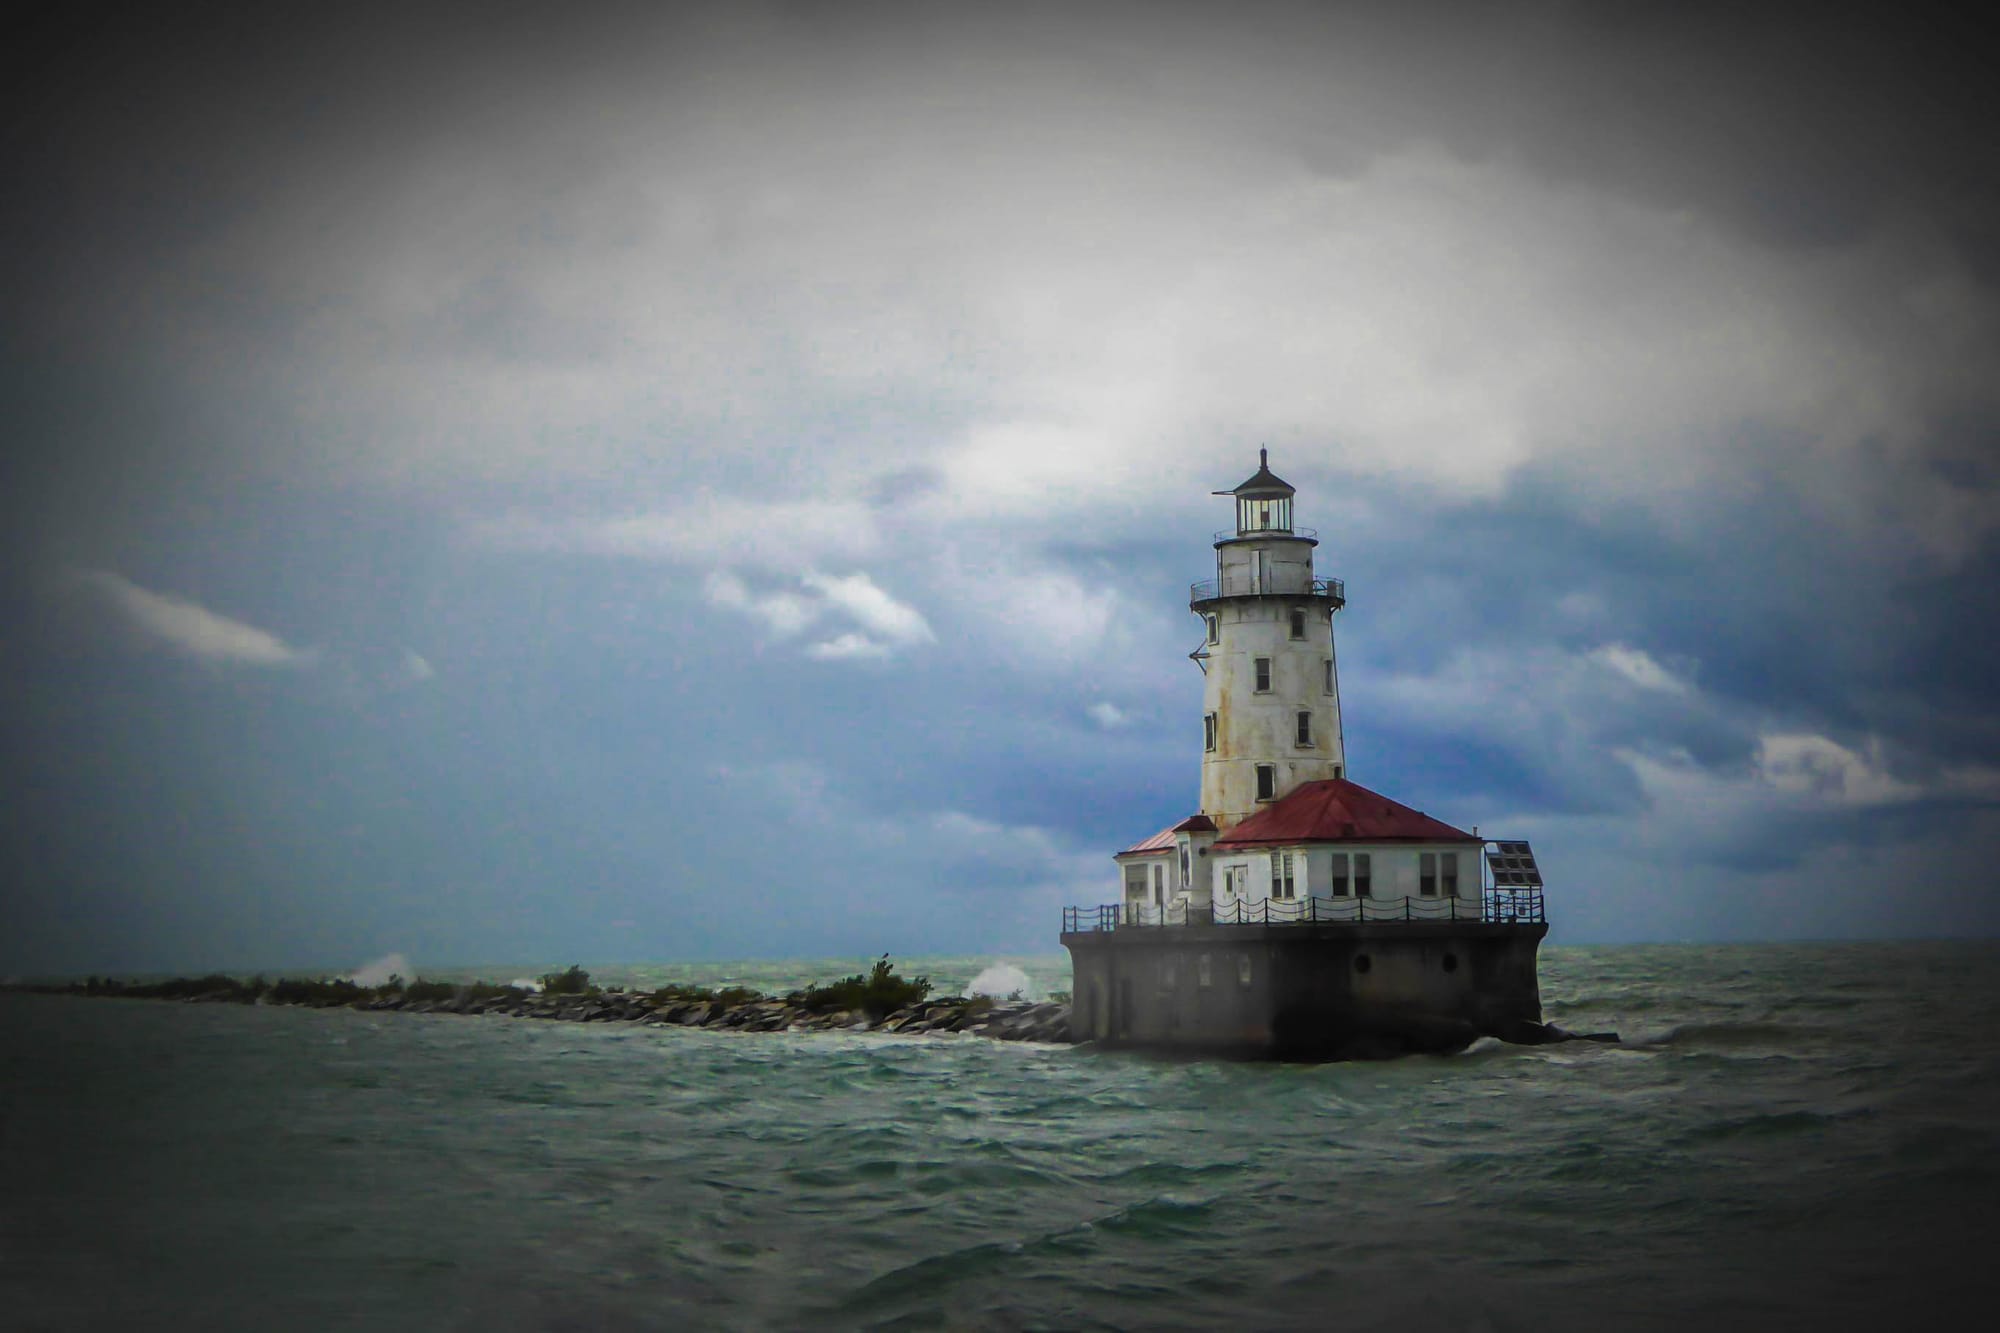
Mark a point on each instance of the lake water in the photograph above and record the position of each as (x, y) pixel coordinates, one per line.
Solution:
(1795, 1136)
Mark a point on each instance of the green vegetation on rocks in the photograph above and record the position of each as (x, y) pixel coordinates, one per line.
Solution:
(574, 981)
(882, 993)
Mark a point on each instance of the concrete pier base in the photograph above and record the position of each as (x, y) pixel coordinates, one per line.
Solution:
(1325, 991)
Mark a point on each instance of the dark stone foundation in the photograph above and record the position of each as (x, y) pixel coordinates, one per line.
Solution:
(1326, 991)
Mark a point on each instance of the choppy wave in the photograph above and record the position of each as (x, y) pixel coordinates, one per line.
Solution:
(1731, 1036)
(1781, 1130)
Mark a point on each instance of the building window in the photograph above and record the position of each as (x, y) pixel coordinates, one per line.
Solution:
(1232, 881)
(1363, 872)
(1337, 768)
(1159, 886)
(1214, 627)
(1208, 732)
(1202, 974)
(1305, 729)
(1267, 781)
(1263, 674)
(1448, 863)
(1338, 876)
(1242, 969)
(1186, 878)
(1135, 883)
(1329, 676)
(1427, 874)
(1284, 881)
(1298, 624)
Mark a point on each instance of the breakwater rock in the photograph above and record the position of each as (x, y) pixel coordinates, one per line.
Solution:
(733, 1010)
(1006, 1020)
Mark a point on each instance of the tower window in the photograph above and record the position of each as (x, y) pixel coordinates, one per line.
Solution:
(1427, 874)
(1208, 732)
(1363, 883)
(1298, 624)
(1338, 875)
(1448, 863)
(1214, 627)
(1267, 781)
(1263, 674)
(1305, 729)
(1329, 675)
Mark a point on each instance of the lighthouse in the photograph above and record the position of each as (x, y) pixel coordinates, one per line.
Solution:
(1271, 694)
(1296, 913)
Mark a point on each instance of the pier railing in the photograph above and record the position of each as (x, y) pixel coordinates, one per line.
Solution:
(1502, 906)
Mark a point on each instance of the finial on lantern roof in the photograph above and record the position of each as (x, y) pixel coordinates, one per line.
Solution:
(1264, 483)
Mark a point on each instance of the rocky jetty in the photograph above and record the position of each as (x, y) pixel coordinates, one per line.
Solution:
(733, 1010)
(1005, 1020)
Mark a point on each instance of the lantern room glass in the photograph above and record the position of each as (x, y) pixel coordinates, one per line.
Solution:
(1265, 514)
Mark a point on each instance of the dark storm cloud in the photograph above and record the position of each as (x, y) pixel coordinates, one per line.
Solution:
(780, 426)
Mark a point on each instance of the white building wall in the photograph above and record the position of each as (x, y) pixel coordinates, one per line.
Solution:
(1395, 871)
(1155, 866)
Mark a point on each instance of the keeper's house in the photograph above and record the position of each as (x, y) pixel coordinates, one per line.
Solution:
(1298, 914)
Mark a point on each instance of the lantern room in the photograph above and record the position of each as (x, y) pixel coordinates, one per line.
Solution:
(1263, 503)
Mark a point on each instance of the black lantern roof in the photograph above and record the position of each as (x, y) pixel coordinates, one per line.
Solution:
(1264, 483)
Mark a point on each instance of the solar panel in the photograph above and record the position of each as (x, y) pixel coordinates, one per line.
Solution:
(1513, 866)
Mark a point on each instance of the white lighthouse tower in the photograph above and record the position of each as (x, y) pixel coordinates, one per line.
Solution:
(1271, 705)
(1297, 914)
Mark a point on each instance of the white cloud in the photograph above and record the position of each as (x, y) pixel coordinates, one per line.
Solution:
(1108, 715)
(416, 668)
(1826, 772)
(1638, 667)
(782, 613)
(885, 625)
(191, 629)
(874, 610)
(847, 647)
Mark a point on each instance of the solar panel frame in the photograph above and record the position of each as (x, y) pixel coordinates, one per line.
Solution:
(1512, 865)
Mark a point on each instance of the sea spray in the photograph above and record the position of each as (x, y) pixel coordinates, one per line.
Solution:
(379, 972)
(1000, 981)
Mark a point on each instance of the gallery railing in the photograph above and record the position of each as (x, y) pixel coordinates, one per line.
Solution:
(1504, 906)
(1245, 584)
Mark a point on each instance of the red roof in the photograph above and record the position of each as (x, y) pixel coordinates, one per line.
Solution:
(1336, 810)
(1159, 843)
(1163, 841)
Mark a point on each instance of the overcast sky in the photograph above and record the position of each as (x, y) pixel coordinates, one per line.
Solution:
(546, 482)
